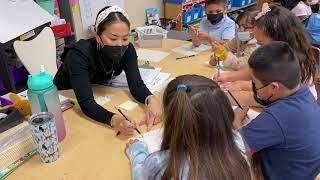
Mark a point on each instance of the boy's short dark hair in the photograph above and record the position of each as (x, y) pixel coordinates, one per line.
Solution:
(208, 2)
(276, 62)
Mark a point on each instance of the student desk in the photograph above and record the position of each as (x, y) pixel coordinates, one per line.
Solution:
(91, 150)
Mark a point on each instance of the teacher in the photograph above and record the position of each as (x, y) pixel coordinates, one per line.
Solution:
(97, 61)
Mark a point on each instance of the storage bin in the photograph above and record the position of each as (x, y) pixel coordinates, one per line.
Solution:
(151, 36)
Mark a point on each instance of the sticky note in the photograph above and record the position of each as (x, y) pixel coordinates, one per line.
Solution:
(128, 105)
(102, 100)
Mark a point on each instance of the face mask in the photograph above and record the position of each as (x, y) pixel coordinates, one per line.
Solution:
(244, 36)
(215, 18)
(263, 102)
(313, 2)
(115, 53)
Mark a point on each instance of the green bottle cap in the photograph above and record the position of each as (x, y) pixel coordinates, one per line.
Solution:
(41, 81)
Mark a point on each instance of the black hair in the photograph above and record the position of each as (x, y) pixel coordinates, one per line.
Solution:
(208, 2)
(110, 19)
(276, 62)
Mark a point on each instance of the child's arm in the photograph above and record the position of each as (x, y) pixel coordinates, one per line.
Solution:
(235, 62)
(241, 74)
(195, 38)
(137, 152)
(262, 132)
(232, 45)
(245, 98)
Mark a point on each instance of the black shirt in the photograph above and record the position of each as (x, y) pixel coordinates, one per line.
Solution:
(81, 67)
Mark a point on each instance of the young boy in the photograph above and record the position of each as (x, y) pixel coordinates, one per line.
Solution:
(217, 27)
(286, 134)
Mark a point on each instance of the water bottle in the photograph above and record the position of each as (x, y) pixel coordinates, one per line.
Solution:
(43, 97)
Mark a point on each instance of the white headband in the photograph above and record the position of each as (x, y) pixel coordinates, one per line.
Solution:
(104, 14)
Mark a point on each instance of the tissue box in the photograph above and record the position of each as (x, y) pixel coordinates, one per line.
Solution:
(151, 36)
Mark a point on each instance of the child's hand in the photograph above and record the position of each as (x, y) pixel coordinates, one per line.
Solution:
(239, 117)
(194, 31)
(203, 36)
(223, 78)
(131, 141)
(231, 86)
(213, 61)
(215, 44)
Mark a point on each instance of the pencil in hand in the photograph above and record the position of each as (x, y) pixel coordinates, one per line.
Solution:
(119, 110)
(235, 100)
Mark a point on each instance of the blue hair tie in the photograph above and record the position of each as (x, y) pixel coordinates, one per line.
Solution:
(182, 86)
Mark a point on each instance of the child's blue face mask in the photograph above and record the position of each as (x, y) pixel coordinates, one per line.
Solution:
(244, 36)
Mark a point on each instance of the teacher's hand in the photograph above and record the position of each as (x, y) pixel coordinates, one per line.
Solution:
(154, 113)
(120, 124)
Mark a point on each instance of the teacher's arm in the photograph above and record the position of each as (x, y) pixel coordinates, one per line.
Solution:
(139, 90)
(78, 70)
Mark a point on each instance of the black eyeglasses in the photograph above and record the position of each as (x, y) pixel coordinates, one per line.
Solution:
(255, 89)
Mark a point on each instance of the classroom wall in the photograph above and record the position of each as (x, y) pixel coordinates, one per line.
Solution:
(135, 9)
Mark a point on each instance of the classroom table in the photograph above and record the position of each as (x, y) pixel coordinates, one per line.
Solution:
(91, 150)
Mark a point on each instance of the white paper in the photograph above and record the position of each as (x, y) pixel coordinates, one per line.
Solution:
(160, 83)
(89, 10)
(18, 17)
(190, 49)
(153, 139)
(102, 100)
(148, 76)
(252, 114)
(128, 105)
(151, 55)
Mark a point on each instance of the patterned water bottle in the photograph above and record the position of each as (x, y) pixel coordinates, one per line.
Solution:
(43, 97)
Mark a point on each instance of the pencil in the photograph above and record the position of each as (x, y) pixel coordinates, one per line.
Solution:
(127, 120)
(184, 57)
(235, 100)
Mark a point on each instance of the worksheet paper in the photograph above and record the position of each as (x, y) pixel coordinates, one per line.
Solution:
(190, 49)
(151, 55)
(153, 139)
(148, 76)
(18, 17)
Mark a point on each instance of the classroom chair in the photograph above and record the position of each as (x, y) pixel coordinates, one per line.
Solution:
(39, 51)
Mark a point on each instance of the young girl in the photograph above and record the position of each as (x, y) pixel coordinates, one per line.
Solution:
(199, 141)
(276, 23)
(242, 46)
(217, 26)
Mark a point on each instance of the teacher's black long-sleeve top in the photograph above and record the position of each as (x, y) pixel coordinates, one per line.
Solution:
(81, 68)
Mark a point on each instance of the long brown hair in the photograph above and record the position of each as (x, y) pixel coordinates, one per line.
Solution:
(281, 25)
(198, 130)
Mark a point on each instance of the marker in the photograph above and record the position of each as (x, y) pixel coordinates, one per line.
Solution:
(73, 100)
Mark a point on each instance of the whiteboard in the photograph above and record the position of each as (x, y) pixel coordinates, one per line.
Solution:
(89, 10)
(20, 16)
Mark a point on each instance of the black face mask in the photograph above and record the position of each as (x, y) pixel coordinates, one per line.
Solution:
(115, 53)
(215, 18)
(263, 102)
